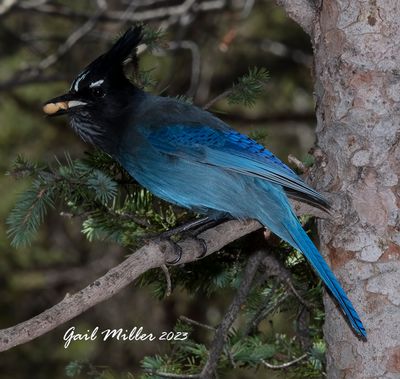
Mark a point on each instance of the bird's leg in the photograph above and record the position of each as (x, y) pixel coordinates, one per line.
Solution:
(185, 227)
(210, 224)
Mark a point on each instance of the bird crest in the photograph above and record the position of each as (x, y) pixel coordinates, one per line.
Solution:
(111, 62)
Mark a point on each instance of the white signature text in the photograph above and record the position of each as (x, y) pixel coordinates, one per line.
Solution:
(134, 334)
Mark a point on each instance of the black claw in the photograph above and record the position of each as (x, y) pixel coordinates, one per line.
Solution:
(178, 252)
(203, 246)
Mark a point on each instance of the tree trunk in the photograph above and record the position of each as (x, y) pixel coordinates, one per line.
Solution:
(357, 88)
(357, 62)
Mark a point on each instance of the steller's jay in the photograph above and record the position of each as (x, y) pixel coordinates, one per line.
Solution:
(189, 157)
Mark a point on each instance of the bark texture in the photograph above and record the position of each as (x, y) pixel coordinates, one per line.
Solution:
(357, 87)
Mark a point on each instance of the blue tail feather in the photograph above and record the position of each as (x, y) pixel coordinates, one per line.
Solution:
(303, 243)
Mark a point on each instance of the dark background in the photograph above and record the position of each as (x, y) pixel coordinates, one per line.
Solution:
(220, 45)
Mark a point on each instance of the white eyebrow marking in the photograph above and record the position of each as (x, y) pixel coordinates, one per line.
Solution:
(78, 79)
(96, 84)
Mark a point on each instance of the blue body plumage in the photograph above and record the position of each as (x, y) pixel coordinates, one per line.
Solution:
(188, 157)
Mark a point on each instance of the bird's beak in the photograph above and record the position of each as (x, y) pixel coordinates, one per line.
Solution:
(61, 104)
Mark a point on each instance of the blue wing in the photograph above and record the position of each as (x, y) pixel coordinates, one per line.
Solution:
(230, 150)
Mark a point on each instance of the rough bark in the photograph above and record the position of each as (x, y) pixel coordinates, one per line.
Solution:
(357, 89)
(357, 61)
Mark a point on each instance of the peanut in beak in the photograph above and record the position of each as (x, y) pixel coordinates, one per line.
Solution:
(52, 108)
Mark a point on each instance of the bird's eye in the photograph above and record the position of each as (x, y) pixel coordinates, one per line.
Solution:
(98, 92)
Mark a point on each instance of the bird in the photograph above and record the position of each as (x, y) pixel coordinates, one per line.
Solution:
(187, 156)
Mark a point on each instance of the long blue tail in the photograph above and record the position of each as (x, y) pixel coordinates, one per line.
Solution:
(302, 242)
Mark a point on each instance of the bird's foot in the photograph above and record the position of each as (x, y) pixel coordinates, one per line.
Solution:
(203, 246)
(192, 235)
(190, 231)
(172, 251)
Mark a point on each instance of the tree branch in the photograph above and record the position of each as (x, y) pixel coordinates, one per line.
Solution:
(34, 73)
(301, 11)
(283, 365)
(6, 6)
(221, 96)
(231, 314)
(175, 376)
(117, 16)
(73, 37)
(196, 62)
(151, 255)
(39, 78)
(194, 322)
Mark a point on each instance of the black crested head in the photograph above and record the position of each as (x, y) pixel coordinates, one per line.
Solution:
(110, 64)
(101, 97)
